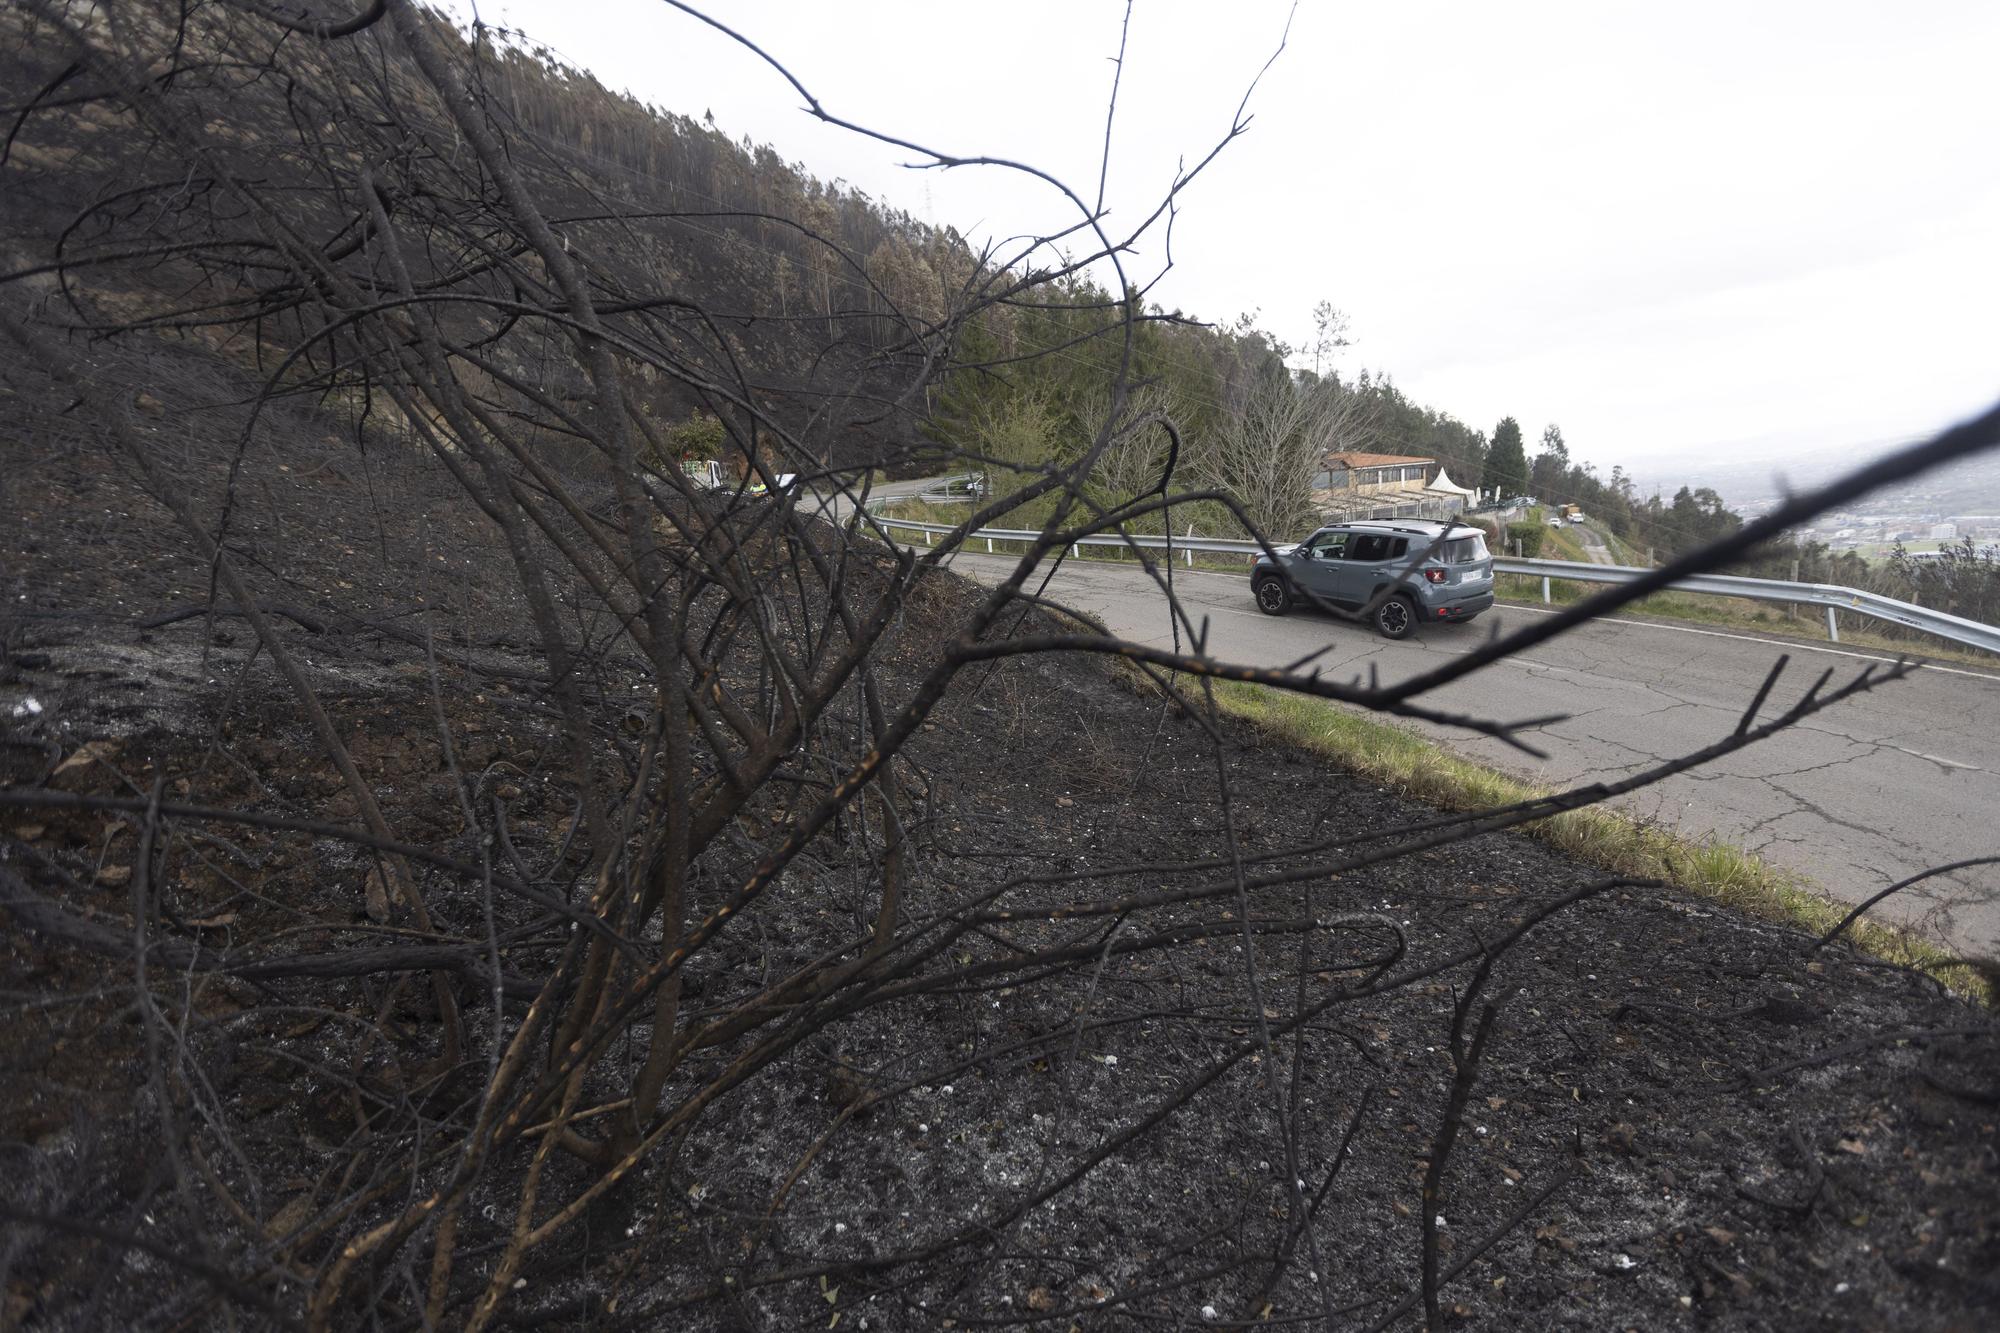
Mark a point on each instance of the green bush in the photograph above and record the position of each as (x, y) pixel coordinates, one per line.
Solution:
(1485, 525)
(1529, 536)
(700, 436)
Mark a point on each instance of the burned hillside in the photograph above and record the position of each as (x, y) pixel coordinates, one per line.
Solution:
(460, 871)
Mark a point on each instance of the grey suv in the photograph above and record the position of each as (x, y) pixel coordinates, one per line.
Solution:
(1404, 570)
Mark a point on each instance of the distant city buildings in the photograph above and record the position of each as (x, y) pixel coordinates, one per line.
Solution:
(1874, 534)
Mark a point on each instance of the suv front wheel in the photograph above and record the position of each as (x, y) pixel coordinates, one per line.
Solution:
(1395, 618)
(1273, 597)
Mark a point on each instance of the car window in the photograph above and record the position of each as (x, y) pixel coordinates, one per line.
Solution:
(1329, 546)
(1369, 546)
(1463, 550)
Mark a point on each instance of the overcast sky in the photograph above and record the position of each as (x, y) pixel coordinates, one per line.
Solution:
(1700, 228)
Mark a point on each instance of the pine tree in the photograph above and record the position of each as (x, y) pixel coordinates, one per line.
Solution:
(1506, 461)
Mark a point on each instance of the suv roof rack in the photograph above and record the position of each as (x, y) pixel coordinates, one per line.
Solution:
(1410, 526)
(1405, 525)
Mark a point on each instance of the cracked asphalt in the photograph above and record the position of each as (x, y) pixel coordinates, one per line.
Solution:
(1879, 788)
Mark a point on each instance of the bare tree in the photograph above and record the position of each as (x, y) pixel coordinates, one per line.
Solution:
(1329, 335)
(1274, 441)
(1140, 454)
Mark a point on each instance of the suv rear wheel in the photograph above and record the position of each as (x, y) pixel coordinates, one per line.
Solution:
(1273, 597)
(1395, 618)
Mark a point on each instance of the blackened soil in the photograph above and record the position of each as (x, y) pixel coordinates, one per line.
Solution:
(1681, 1118)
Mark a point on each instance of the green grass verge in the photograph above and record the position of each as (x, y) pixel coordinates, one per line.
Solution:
(1595, 835)
(1558, 543)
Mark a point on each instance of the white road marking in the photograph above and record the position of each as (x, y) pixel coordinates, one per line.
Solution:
(1933, 758)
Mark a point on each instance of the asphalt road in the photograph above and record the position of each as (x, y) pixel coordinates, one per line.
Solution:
(1879, 788)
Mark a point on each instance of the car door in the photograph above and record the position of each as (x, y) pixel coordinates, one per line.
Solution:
(1373, 558)
(1319, 561)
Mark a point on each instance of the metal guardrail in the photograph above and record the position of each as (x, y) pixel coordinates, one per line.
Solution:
(938, 489)
(1190, 545)
(1832, 597)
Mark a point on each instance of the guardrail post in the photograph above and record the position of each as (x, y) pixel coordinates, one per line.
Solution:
(927, 536)
(1075, 552)
(989, 546)
(1545, 590)
(1832, 626)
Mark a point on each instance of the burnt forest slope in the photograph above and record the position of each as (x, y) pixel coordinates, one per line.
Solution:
(1706, 1121)
(457, 872)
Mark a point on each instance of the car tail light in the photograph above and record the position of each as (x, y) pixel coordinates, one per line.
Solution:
(1434, 575)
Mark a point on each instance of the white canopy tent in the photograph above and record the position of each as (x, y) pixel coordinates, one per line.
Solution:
(1447, 486)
